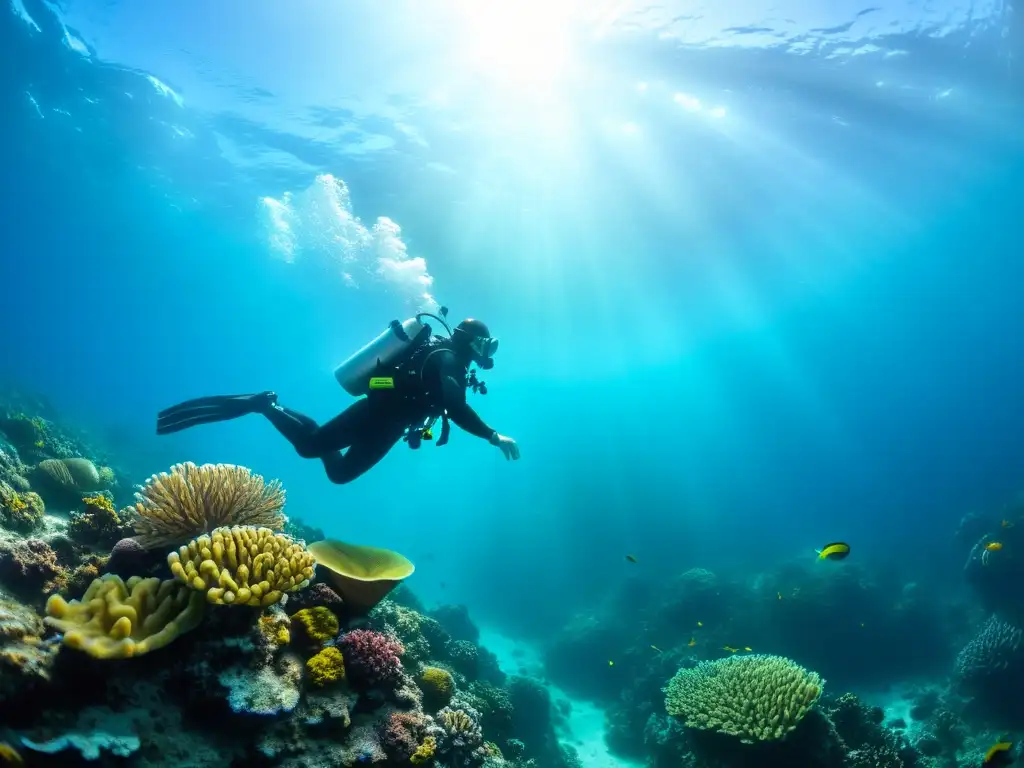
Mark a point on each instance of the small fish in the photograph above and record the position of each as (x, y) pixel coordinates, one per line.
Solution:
(9, 755)
(631, 558)
(1006, 524)
(747, 648)
(999, 754)
(780, 595)
(835, 551)
(656, 648)
(730, 649)
(693, 642)
(700, 623)
(611, 663)
(993, 546)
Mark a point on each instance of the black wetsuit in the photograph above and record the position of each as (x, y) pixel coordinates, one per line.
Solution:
(372, 425)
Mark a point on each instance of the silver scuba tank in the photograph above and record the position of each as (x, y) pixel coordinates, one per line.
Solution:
(354, 374)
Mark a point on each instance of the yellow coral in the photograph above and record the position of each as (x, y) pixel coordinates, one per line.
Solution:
(437, 686)
(189, 500)
(100, 502)
(757, 698)
(9, 755)
(326, 667)
(319, 623)
(274, 628)
(424, 752)
(117, 619)
(243, 566)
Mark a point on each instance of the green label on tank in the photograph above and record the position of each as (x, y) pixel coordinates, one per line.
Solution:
(382, 382)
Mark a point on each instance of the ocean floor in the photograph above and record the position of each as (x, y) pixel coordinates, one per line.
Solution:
(583, 728)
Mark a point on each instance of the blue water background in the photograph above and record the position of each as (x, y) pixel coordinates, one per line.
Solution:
(728, 335)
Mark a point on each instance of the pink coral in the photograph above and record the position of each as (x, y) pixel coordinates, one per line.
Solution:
(372, 658)
(400, 733)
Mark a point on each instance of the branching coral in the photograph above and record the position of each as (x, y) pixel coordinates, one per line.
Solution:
(326, 667)
(757, 697)
(460, 740)
(117, 619)
(190, 500)
(402, 733)
(371, 658)
(242, 566)
(990, 652)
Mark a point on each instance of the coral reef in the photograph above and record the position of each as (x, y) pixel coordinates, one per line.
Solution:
(29, 568)
(62, 482)
(437, 685)
(326, 667)
(191, 500)
(758, 697)
(25, 659)
(242, 565)
(98, 522)
(459, 737)
(371, 658)
(20, 511)
(317, 624)
(117, 619)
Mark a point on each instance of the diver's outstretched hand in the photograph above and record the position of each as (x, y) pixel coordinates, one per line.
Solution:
(508, 446)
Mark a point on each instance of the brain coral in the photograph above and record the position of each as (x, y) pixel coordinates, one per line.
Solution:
(757, 697)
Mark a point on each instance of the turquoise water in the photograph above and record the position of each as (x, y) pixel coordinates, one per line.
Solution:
(755, 269)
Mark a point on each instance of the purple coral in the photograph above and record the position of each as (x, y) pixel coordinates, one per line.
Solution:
(371, 658)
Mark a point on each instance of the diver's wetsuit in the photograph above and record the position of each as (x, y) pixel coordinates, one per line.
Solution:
(371, 426)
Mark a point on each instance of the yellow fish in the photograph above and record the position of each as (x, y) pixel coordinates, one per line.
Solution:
(999, 754)
(747, 648)
(729, 649)
(993, 546)
(835, 551)
(693, 642)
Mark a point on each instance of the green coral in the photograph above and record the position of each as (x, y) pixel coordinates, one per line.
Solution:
(326, 667)
(438, 687)
(318, 624)
(424, 752)
(757, 697)
(21, 512)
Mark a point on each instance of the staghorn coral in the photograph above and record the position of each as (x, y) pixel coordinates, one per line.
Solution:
(756, 697)
(191, 500)
(242, 566)
(98, 523)
(117, 619)
(460, 740)
(437, 685)
(318, 625)
(372, 658)
(326, 667)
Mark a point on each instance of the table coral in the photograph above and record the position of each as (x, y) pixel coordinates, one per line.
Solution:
(117, 619)
(190, 500)
(372, 658)
(243, 566)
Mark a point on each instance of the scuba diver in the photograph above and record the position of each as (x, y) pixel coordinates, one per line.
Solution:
(406, 379)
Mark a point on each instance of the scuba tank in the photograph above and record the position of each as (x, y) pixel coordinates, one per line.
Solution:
(397, 340)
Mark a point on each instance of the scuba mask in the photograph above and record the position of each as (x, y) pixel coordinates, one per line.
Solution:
(483, 348)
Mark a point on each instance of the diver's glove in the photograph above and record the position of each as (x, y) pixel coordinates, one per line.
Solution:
(508, 446)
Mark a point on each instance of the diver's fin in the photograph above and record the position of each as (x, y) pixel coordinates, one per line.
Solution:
(205, 410)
